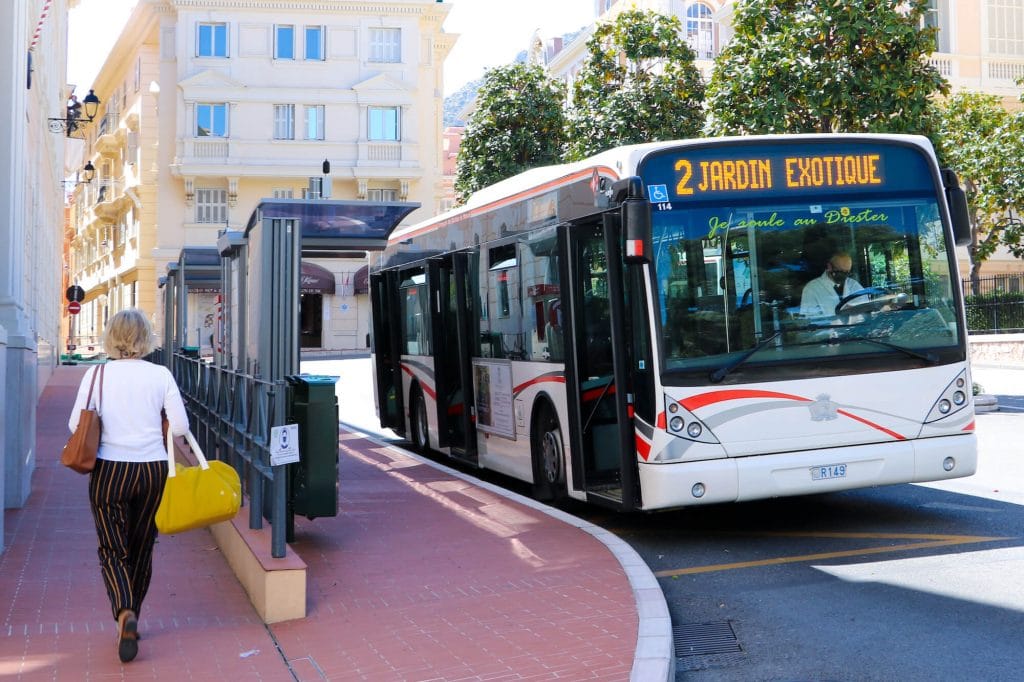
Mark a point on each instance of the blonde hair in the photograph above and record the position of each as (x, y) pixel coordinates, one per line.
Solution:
(128, 335)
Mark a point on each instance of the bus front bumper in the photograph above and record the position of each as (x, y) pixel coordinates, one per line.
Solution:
(738, 479)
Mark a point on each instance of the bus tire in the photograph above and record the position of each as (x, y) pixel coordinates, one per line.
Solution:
(418, 429)
(548, 456)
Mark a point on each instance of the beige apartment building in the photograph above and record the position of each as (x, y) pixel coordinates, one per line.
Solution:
(208, 107)
(33, 79)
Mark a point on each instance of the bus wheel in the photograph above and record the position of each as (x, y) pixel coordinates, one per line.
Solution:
(418, 422)
(548, 457)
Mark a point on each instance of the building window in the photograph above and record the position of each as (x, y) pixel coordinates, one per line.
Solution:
(385, 44)
(382, 195)
(211, 120)
(700, 30)
(937, 17)
(1006, 27)
(211, 205)
(284, 42)
(212, 40)
(315, 122)
(284, 121)
(383, 124)
(314, 43)
(281, 193)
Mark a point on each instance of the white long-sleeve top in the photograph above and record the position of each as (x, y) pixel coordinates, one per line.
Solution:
(134, 392)
(819, 297)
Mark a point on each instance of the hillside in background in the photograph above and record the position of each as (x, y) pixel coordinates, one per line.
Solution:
(455, 102)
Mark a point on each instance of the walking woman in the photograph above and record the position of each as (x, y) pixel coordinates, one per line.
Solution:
(131, 465)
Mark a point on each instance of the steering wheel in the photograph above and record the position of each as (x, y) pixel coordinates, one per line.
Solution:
(746, 300)
(870, 306)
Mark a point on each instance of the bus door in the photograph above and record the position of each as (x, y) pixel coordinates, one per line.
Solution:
(451, 295)
(387, 349)
(597, 384)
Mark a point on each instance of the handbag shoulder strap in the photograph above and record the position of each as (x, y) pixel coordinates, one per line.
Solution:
(92, 384)
(99, 400)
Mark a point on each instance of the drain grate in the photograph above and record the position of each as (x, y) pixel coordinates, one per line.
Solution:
(704, 639)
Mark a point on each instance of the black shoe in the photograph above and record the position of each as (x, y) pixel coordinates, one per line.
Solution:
(127, 636)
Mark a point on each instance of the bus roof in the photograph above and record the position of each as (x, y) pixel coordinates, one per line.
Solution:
(618, 162)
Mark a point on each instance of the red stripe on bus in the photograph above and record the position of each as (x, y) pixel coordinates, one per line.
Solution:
(662, 421)
(643, 448)
(969, 427)
(532, 191)
(872, 424)
(426, 389)
(698, 401)
(595, 393)
(557, 378)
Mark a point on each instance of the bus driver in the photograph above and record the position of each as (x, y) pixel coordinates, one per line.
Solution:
(822, 294)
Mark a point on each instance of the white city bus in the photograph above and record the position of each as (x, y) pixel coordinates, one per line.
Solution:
(627, 329)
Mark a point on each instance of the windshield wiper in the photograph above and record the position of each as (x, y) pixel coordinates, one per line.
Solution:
(928, 356)
(723, 371)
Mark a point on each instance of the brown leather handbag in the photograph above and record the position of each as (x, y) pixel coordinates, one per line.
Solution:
(80, 451)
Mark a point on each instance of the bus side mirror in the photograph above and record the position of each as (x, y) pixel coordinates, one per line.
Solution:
(636, 218)
(636, 224)
(956, 198)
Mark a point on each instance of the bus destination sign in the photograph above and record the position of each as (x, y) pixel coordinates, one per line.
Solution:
(701, 173)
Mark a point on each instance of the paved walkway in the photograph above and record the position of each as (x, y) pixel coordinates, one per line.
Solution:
(423, 575)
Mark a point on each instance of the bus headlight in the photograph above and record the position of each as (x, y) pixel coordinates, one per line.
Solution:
(694, 430)
(953, 398)
(948, 464)
(676, 424)
(697, 490)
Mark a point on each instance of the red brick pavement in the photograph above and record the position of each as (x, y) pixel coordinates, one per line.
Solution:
(421, 576)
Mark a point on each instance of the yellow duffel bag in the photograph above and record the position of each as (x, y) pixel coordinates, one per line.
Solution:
(197, 496)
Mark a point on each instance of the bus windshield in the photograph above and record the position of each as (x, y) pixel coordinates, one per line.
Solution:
(804, 284)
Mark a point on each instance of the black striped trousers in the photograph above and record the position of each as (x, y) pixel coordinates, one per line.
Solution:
(124, 497)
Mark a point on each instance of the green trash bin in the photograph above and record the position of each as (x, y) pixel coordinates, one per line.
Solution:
(313, 480)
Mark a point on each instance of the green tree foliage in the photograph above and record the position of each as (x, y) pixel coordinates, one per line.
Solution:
(802, 66)
(984, 143)
(518, 124)
(638, 84)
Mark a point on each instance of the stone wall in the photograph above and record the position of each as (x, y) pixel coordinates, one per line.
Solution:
(997, 349)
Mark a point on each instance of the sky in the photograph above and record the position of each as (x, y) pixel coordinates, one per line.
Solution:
(492, 33)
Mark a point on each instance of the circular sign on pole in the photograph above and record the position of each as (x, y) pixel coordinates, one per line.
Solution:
(74, 308)
(75, 293)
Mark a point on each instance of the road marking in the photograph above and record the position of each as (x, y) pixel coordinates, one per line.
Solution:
(926, 541)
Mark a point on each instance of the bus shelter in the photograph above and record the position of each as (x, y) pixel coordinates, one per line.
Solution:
(253, 385)
(191, 290)
(262, 268)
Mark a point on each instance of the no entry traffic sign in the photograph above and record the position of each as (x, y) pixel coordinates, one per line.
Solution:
(74, 308)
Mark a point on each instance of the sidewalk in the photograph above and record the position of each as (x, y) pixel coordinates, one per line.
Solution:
(423, 575)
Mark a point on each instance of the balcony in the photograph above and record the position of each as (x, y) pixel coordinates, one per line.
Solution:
(108, 194)
(107, 134)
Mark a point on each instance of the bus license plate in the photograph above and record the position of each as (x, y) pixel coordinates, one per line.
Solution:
(828, 471)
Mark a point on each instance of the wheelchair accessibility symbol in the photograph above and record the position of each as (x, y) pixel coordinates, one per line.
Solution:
(657, 194)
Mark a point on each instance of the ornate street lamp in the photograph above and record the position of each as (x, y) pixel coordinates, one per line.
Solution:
(73, 118)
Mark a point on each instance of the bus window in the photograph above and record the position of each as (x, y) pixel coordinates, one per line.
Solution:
(539, 273)
(415, 318)
(504, 335)
(772, 252)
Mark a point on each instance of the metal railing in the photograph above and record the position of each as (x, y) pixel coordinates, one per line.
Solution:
(995, 305)
(231, 416)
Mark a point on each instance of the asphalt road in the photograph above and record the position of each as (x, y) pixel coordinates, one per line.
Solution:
(908, 582)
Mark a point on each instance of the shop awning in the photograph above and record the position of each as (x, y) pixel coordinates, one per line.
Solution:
(361, 281)
(315, 279)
